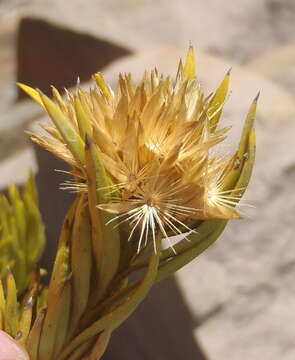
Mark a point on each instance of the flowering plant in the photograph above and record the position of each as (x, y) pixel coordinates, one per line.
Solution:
(143, 169)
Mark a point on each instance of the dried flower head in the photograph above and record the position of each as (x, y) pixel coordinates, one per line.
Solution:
(154, 141)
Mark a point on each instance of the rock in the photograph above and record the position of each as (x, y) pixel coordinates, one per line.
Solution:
(216, 26)
(278, 65)
(16, 168)
(206, 287)
(250, 311)
(8, 34)
(16, 155)
(55, 55)
(262, 331)
(8, 7)
(13, 123)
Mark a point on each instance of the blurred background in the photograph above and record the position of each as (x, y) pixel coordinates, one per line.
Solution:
(236, 301)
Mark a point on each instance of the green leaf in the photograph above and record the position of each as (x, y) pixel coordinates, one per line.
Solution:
(243, 156)
(81, 262)
(115, 318)
(105, 239)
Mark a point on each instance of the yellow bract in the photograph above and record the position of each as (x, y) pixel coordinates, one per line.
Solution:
(190, 65)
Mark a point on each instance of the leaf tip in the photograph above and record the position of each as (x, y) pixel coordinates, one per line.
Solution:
(229, 71)
(256, 97)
